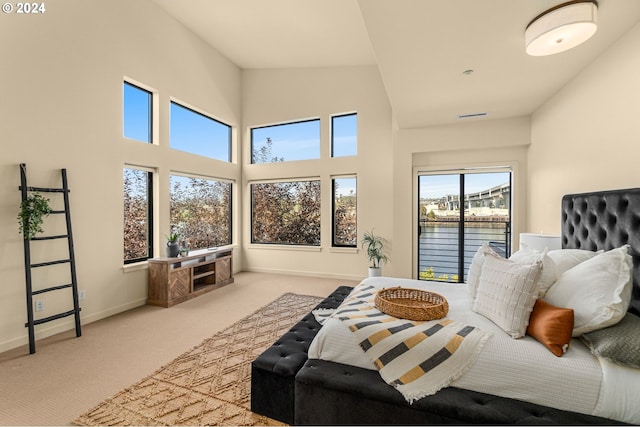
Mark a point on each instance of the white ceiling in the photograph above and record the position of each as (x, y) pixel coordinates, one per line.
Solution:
(421, 47)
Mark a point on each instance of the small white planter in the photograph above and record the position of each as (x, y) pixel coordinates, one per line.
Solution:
(375, 272)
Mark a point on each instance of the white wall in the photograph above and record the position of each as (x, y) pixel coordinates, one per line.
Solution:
(61, 107)
(587, 136)
(479, 143)
(276, 96)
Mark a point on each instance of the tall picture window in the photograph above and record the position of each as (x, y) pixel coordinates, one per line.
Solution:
(138, 214)
(286, 213)
(199, 134)
(200, 211)
(345, 211)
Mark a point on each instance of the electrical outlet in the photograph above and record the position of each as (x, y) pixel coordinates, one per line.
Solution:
(40, 305)
(82, 294)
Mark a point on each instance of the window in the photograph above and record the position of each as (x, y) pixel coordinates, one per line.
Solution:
(286, 142)
(196, 133)
(344, 135)
(200, 211)
(138, 214)
(345, 213)
(458, 212)
(137, 113)
(286, 213)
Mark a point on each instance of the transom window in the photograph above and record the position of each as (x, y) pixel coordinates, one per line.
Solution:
(344, 135)
(286, 142)
(137, 107)
(199, 134)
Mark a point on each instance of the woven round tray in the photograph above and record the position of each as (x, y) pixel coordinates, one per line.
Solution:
(412, 304)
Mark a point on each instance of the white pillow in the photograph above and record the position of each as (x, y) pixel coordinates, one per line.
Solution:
(548, 276)
(598, 290)
(566, 259)
(473, 275)
(507, 293)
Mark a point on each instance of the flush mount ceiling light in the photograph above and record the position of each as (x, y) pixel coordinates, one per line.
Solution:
(561, 28)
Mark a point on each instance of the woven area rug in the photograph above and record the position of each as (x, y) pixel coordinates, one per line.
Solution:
(209, 384)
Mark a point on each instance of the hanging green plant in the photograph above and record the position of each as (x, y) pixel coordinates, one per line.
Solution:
(31, 215)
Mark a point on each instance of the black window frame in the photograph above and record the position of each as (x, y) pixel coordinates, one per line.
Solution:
(150, 229)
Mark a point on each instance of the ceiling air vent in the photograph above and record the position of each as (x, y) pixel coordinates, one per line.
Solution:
(470, 116)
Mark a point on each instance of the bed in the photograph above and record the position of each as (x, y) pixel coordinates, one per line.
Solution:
(532, 383)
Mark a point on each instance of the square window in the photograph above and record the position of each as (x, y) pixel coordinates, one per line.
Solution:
(286, 213)
(200, 211)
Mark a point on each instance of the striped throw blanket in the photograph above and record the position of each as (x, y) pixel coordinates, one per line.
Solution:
(417, 358)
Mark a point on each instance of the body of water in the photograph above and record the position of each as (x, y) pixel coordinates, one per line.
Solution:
(438, 246)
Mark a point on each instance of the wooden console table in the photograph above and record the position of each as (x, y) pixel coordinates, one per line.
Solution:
(175, 280)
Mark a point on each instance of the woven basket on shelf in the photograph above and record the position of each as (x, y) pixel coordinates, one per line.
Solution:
(412, 304)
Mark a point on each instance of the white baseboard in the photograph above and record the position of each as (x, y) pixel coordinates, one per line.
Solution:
(43, 331)
(306, 273)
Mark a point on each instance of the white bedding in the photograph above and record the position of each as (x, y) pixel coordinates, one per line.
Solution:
(521, 369)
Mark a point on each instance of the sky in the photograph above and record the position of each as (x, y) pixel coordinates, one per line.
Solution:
(190, 131)
(301, 140)
(196, 133)
(292, 141)
(346, 186)
(436, 186)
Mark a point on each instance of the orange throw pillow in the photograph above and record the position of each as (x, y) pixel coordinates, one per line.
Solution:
(552, 326)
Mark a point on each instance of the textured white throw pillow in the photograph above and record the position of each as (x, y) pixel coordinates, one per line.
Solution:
(548, 276)
(473, 275)
(598, 290)
(507, 293)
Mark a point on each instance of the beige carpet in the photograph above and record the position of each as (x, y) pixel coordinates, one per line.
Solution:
(209, 384)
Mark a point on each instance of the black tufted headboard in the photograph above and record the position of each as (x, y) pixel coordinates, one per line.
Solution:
(605, 220)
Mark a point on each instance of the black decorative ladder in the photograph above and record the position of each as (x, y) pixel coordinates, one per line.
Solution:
(28, 266)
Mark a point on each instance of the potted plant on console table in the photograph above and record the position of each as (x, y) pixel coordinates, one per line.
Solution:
(172, 245)
(374, 246)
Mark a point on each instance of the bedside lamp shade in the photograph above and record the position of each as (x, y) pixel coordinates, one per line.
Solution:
(540, 241)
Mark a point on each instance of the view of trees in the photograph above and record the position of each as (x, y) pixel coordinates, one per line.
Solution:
(200, 211)
(345, 229)
(286, 213)
(136, 210)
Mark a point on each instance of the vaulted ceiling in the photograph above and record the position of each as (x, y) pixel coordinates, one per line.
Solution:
(422, 48)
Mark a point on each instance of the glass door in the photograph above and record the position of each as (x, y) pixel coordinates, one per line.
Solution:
(459, 212)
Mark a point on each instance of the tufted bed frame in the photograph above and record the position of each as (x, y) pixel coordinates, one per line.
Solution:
(605, 220)
(289, 387)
